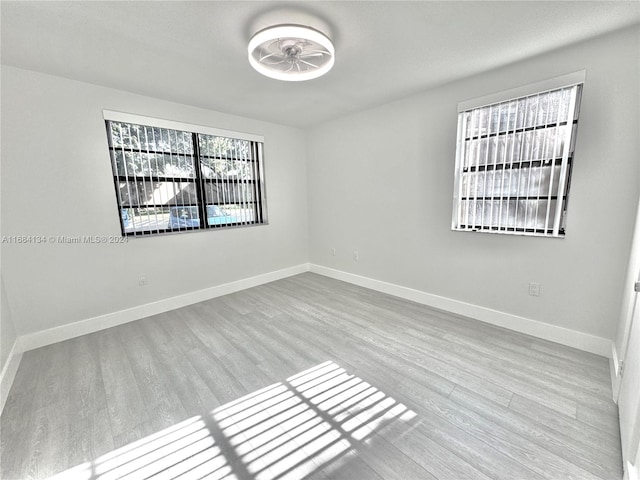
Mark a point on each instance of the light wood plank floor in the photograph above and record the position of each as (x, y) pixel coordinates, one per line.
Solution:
(309, 377)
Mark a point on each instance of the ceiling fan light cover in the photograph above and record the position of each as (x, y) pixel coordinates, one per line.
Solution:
(291, 53)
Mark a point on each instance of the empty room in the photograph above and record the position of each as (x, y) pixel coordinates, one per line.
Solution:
(369, 240)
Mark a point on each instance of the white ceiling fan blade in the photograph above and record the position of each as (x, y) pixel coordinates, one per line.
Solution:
(307, 63)
(275, 63)
(267, 56)
(322, 52)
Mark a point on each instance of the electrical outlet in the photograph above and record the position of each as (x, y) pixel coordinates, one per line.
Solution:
(333, 252)
(534, 289)
(142, 280)
(356, 256)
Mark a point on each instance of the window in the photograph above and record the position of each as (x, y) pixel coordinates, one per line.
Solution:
(514, 159)
(172, 177)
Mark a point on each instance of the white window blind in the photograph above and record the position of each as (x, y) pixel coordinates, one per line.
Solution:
(513, 162)
(172, 177)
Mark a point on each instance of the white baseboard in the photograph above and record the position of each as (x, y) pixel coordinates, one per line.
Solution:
(35, 340)
(65, 332)
(9, 372)
(564, 336)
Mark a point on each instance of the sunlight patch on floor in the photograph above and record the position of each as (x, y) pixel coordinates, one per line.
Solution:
(319, 417)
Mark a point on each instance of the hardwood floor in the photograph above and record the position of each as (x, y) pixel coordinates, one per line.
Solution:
(309, 377)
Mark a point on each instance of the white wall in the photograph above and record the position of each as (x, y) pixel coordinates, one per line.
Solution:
(57, 180)
(381, 181)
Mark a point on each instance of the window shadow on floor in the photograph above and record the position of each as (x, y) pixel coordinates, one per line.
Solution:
(311, 424)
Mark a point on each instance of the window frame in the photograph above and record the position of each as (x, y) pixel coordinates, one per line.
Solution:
(558, 223)
(199, 180)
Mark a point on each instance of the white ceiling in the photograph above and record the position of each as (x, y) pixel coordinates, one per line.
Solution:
(194, 52)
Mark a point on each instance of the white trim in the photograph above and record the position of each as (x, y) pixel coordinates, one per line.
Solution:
(615, 359)
(572, 338)
(567, 80)
(628, 304)
(614, 368)
(564, 336)
(170, 124)
(631, 472)
(94, 324)
(9, 371)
